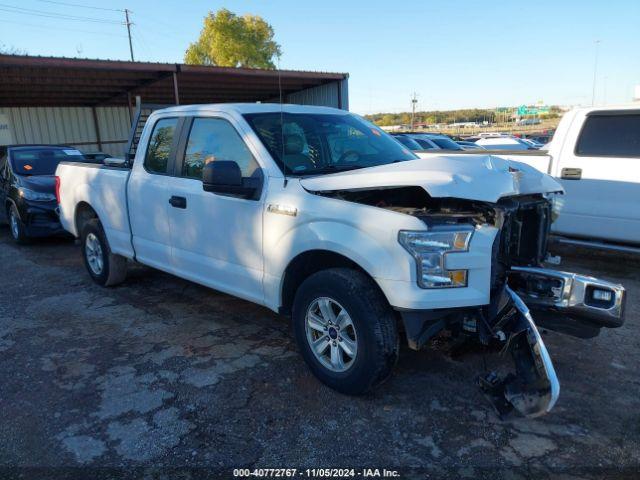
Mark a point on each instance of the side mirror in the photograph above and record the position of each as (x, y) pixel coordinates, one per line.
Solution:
(225, 177)
(221, 173)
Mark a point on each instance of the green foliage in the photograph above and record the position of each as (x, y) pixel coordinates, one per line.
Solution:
(434, 117)
(228, 40)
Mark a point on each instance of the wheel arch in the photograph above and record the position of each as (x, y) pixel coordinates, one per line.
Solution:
(7, 205)
(84, 212)
(306, 264)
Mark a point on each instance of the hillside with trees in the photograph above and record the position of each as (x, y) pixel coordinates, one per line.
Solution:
(478, 115)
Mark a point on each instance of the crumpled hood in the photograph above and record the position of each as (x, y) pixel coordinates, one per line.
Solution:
(472, 177)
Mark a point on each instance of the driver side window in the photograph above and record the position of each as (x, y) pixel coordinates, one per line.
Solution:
(212, 139)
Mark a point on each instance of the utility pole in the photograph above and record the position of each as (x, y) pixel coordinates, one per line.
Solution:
(128, 23)
(595, 71)
(414, 101)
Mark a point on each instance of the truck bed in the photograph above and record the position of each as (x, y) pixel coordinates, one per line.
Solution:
(104, 188)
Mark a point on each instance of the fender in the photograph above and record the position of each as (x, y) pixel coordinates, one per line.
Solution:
(111, 215)
(337, 237)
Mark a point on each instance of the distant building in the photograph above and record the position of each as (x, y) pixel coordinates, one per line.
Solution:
(394, 128)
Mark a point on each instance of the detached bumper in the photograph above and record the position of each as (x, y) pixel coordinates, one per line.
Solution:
(568, 299)
(574, 304)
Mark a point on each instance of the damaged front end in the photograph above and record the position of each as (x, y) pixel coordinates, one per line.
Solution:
(534, 388)
(569, 303)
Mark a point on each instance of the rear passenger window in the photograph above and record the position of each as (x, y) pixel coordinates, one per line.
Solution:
(610, 136)
(157, 158)
(214, 139)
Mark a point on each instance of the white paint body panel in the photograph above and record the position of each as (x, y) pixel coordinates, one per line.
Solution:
(473, 177)
(240, 247)
(603, 204)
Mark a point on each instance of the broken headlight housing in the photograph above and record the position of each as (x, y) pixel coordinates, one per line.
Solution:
(429, 249)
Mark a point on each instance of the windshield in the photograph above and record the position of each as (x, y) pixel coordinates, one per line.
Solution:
(446, 143)
(311, 144)
(42, 160)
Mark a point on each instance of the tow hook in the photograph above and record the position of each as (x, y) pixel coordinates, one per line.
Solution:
(534, 388)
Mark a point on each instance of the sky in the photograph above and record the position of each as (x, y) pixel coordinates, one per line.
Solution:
(452, 54)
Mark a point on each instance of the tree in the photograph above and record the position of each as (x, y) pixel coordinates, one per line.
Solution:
(228, 40)
(5, 50)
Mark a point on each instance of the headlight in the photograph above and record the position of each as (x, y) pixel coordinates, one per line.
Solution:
(429, 250)
(35, 196)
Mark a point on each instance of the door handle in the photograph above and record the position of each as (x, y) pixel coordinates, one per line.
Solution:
(178, 202)
(571, 173)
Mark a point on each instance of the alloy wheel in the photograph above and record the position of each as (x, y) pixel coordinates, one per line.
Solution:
(93, 251)
(331, 334)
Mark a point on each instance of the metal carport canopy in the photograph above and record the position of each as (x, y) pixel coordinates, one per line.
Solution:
(27, 81)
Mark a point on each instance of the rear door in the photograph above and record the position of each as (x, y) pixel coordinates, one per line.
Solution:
(148, 197)
(600, 171)
(216, 238)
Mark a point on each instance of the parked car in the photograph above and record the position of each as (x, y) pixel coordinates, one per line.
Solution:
(27, 188)
(505, 142)
(435, 141)
(419, 149)
(469, 145)
(541, 139)
(407, 141)
(320, 215)
(532, 143)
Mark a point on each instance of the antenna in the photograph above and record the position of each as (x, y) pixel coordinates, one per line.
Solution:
(284, 166)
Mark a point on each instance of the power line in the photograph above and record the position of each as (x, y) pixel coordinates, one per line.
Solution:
(43, 13)
(48, 28)
(81, 6)
(63, 16)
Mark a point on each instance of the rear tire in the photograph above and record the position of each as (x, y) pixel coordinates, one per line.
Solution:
(106, 268)
(17, 227)
(361, 353)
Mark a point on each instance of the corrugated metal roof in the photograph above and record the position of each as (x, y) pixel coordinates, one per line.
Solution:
(58, 81)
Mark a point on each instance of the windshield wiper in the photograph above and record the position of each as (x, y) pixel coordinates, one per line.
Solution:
(333, 169)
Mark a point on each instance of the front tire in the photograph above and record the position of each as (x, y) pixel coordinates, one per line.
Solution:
(17, 227)
(345, 330)
(106, 268)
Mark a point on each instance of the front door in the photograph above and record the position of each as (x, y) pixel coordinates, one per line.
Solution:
(147, 196)
(217, 239)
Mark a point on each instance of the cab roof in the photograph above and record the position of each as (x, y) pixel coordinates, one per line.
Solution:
(244, 108)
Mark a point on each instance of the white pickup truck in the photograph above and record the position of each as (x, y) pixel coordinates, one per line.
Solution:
(595, 155)
(321, 216)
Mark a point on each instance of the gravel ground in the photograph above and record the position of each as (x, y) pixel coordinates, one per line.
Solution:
(160, 373)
